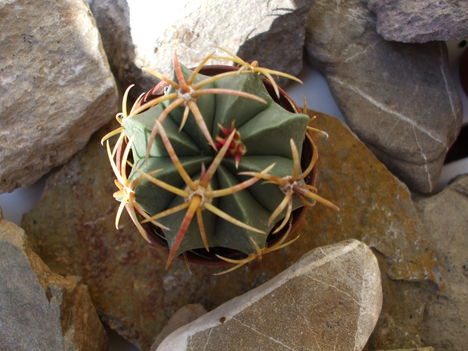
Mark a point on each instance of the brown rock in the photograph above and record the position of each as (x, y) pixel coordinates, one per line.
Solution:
(73, 230)
(329, 300)
(42, 310)
(183, 316)
(56, 87)
(413, 349)
(446, 220)
(401, 322)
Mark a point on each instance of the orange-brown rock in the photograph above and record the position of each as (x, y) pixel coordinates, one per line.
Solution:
(72, 228)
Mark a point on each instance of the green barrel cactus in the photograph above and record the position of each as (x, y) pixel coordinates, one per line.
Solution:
(213, 162)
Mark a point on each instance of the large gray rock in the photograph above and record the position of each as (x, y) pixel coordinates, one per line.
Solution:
(41, 310)
(398, 98)
(419, 21)
(140, 34)
(56, 87)
(446, 218)
(328, 300)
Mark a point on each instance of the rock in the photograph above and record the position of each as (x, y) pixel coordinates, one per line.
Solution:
(56, 88)
(42, 310)
(419, 21)
(398, 98)
(329, 300)
(413, 349)
(271, 32)
(446, 220)
(463, 71)
(401, 323)
(113, 21)
(75, 234)
(183, 316)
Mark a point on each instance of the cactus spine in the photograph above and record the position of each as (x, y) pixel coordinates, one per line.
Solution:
(215, 162)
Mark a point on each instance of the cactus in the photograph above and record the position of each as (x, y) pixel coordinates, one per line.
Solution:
(214, 162)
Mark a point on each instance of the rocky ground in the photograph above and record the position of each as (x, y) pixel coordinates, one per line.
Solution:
(387, 272)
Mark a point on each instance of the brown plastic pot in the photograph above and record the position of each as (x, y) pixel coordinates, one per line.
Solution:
(201, 256)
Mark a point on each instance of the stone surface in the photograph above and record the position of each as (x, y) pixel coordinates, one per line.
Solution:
(41, 310)
(419, 21)
(138, 34)
(446, 218)
(329, 300)
(398, 98)
(75, 234)
(183, 316)
(113, 21)
(413, 349)
(401, 323)
(56, 87)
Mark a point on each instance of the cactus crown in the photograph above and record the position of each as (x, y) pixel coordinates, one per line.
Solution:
(214, 162)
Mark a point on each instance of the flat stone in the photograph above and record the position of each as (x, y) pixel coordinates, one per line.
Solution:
(135, 38)
(329, 300)
(42, 310)
(446, 220)
(419, 21)
(75, 234)
(398, 98)
(56, 87)
(183, 316)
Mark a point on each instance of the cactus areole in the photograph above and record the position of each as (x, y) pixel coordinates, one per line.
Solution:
(212, 165)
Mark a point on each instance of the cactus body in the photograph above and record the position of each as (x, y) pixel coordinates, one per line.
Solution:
(265, 130)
